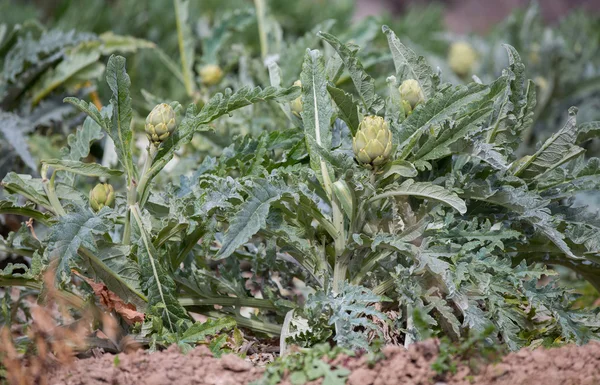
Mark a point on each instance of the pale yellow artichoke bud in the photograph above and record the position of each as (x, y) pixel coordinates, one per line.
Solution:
(372, 144)
(296, 104)
(411, 92)
(160, 123)
(462, 58)
(211, 74)
(102, 195)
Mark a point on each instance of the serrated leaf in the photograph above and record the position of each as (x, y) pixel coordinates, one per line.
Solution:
(251, 216)
(587, 131)
(211, 327)
(410, 66)
(424, 190)
(80, 168)
(74, 61)
(27, 210)
(316, 111)
(13, 129)
(74, 230)
(348, 109)
(26, 186)
(439, 145)
(447, 103)
(557, 150)
(120, 129)
(363, 82)
(156, 280)
(79, 144)
(89, 108)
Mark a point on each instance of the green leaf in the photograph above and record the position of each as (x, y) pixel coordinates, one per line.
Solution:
(211, 327)
(158, 283)
(347, 107)
(13, 129)
(185, 42)
(251, 216)
(27, 210)
(363, 82)
(316, 111)
(400, 167)
(439, 146)
(120, 130)
(557, 150)
(410, 66)
(112, 43)
(75, 60)
(587, 131)
(79, 144)
(447, 103)
(89, 108)
(424, 190)
(74, 230)
(515, 114)
(28, 187)
(80, 168)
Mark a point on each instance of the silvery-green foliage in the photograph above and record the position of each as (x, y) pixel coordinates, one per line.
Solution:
(454, 232)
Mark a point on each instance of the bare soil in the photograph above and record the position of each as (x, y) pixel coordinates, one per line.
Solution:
(569, 365)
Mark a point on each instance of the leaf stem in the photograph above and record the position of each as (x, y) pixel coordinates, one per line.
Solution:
(51, 193)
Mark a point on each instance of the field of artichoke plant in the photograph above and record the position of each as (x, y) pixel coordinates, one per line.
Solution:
(231, 192)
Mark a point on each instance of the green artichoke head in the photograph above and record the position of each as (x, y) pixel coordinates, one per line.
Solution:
(411, 92)
(211, 74)
(372, 144)
(296, 104)
(102, 195)
(462, 58)
(160, 123)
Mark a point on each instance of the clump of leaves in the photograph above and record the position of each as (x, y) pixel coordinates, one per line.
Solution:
(307, 365)
(475, 351)
(440, 214)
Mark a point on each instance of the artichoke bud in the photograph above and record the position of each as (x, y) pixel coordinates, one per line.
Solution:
(411, 93)
(102, 195)
(462, 58)
(296, 104)
(211, 74)
(160, 123)
(372, 144)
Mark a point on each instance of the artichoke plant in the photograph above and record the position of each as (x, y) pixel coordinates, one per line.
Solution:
(103, 194)
(411, 94)
(211, 74)
(462, 58)
(296, 104)
(372, 144)
(160, 123)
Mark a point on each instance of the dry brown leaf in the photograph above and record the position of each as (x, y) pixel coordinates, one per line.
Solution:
(113, 302)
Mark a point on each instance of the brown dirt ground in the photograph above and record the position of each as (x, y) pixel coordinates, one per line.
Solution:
(569, 365)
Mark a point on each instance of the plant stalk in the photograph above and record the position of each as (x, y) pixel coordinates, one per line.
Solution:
(260, 20)
(51, 193)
